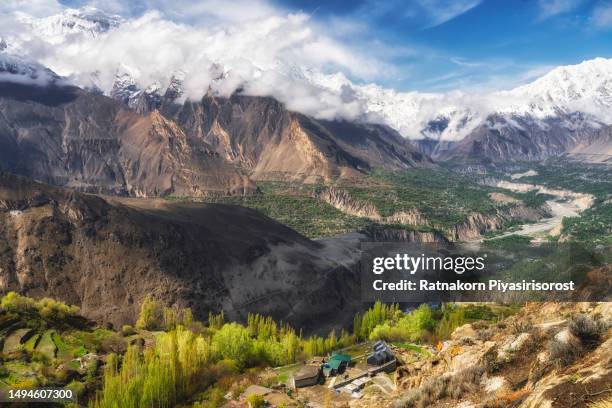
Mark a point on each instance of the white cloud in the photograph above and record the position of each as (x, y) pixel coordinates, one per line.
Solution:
(270, 53)
(550, 8)
(441, 11)
(429, 13)
(36, 8)
(602, 16)
(263, 54)
(208, 11)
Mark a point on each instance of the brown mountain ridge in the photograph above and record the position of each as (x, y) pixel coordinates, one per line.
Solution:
(106, 254)
(71, 137)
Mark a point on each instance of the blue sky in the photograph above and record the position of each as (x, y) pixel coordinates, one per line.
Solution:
(441, 45)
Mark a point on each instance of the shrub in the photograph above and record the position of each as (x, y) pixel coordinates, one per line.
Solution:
(256, 401)
(51, 309)
(48, 309)
(233, 342)
(127, 330)
(14, 302)
(520, 326)
(77, 387)
(410, 327)
(214, 397)
(563, 353)
(479, 312)
(453, 386)
(113, 344)
(586, 328)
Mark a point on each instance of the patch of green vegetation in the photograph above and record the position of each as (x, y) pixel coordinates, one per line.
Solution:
(594, 225)
(295, 206)
(412, 347)
(284, 373)
(424, 324)
(587, 178)
(533, 198)
(46, 345)
(445, 198)
(65, 351)
(30, 345)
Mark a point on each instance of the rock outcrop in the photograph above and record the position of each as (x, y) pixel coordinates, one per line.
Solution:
(477, 224)
(555, 355)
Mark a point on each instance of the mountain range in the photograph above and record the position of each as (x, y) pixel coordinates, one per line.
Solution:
(68, 136)
(556, 114)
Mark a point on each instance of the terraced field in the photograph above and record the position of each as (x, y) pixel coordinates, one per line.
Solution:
(45, 343)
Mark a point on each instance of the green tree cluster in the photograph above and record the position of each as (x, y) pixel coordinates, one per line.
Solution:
(48, 309)
(379, 313)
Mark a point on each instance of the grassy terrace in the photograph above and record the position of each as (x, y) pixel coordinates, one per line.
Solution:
(444, 197)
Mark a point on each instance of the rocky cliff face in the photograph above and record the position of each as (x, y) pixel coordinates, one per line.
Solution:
(260, 135)
(597, 148)
(106, 256)
(343, 201)
(393, 234)
(70, 137)
(67, 136)
(476, 225)
(472, 229)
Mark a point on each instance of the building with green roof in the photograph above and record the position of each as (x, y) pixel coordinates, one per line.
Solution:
(337, 364)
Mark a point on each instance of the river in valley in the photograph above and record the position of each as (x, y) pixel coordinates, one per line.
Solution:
(565, 203)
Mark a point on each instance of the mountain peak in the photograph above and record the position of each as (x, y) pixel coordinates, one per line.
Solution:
(88, 21)
(17, 69)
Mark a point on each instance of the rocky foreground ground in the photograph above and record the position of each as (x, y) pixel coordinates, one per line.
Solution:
(548, 355)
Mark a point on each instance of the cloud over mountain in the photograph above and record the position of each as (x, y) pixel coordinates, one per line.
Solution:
(89, 47)
(271, 52)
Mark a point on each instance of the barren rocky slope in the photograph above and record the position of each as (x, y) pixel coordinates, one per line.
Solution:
(71, 137)
(553, 355)
(505, 138)
(67, 136)
(105, 255)
(262, 136)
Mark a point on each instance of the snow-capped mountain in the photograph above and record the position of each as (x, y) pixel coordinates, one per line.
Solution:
(59, 29)
(583, 87)
(415, 115)
(19, 70)
(569, 101)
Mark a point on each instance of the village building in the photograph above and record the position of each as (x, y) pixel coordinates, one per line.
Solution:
(306, 376)
(337, 364)
(381, 355)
